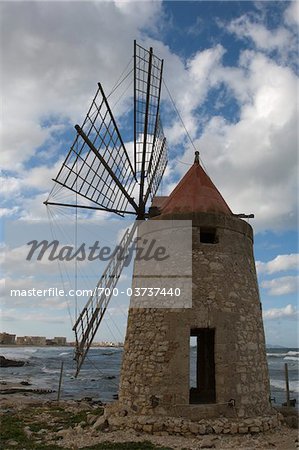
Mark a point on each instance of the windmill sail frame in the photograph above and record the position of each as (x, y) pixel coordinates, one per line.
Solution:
(148, 71)
(92, 314)
(98, 169)
(97, 166)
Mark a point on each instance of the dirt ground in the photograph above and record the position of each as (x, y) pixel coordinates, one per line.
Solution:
(30, 421)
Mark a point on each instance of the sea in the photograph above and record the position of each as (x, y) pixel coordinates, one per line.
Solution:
(99, 375)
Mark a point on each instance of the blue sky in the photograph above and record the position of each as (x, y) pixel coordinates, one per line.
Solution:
(232, 70)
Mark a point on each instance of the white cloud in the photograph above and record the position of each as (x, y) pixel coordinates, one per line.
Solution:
(253, 160)
(291, 14)
(280, 263)
(286, 312)
(262, 37)
(281, 286)
(50, 76)
(53, 62)
(7, 212)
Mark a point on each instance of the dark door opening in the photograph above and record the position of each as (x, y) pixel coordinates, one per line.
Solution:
(202, 365)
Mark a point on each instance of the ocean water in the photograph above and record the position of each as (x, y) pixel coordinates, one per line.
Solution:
(99, 376)
(276, 362)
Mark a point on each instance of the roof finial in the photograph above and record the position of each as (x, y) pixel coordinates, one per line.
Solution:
(196, 159)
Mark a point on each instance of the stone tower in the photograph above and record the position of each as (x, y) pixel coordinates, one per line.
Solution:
(224, 326)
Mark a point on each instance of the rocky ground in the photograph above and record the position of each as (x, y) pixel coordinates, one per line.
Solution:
(30, 421)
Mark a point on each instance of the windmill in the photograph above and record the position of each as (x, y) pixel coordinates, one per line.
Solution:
(98, 169)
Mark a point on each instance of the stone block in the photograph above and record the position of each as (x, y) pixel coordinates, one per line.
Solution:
(194, 428)
(202, 429)
(148, 428)
(218, 429)
(234, 428)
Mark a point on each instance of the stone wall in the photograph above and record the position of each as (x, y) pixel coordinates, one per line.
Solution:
(119, 419)
(225, 297)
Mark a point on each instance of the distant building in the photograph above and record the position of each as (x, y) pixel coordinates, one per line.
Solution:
(31, 340)
(7, 339)
(61, 340)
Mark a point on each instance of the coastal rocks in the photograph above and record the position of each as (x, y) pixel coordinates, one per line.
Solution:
(28, 432)
(25, 391)
(4, 362)
(12, 443)
(91, 419)
(101, 424)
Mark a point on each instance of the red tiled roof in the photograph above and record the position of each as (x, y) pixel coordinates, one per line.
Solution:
(195, 193)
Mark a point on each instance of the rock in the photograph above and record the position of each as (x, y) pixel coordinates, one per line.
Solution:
(86, 399)
(25, 383)
(123, 413)
(62, 433)
(148, 428)
(202, 429)
(234, 428)
(292, 422)
(10, 362)
(194, 428)
(157, 427)
(100, 424)
(218, 429)
(292, 403)
(42, 431)
(254, 429)
(243, 430)
(27, 432)
(12, 443)
(91, 419)
(207, 443)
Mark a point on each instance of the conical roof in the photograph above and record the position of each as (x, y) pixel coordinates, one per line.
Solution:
(195, 193)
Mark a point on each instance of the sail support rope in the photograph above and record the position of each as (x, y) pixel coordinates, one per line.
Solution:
(184, 126)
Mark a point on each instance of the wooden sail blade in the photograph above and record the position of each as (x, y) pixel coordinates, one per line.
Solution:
(97, 166)
(159, 161)
(148, 70)
(92, 314)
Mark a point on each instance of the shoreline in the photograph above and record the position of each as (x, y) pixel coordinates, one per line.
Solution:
(54, 346)
(44, 422)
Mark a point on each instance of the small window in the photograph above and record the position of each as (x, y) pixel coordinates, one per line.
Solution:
(202, 366)
(208, 236)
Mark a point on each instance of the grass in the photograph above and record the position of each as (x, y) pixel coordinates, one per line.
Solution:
(51, 419)
(11, 429)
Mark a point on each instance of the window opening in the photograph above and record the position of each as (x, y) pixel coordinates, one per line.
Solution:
(208, 236)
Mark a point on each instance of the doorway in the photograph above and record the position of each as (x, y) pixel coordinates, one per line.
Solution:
(202, 365)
